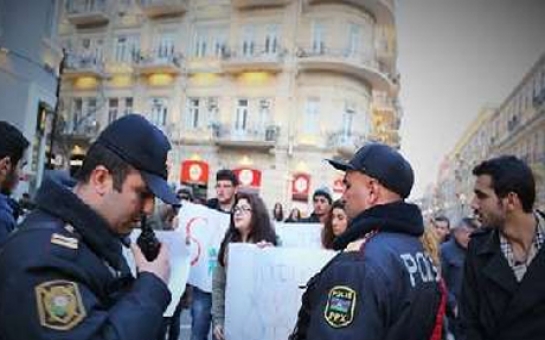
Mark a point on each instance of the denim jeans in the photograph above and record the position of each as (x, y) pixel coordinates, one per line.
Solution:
(201, 316)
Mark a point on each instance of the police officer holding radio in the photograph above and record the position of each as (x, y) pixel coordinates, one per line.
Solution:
(382, 285)
(63, 275)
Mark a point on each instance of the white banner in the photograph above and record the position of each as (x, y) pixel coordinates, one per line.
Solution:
(204, 229)
(299, 235)
(179, 263)
(264, 289)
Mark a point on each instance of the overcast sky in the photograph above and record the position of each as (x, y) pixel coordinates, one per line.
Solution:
(455, 56)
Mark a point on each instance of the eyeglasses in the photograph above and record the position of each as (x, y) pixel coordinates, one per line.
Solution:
(242, 210)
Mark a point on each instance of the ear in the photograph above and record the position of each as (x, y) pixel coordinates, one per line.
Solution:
(101, 180)
(5, 166)
(513, 201)
(375, 191)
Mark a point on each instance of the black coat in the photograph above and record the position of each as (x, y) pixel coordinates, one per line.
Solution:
(63, 276)
(387, 291)
(494, 305)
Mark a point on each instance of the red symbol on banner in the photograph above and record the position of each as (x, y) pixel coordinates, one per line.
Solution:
(188, 229)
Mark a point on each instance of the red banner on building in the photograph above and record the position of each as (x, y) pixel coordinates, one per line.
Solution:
(249, 178)
(338, 186)
(300, 187)
(194, 172)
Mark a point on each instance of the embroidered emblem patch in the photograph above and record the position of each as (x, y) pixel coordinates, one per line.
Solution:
(341, 303)
(59, 304)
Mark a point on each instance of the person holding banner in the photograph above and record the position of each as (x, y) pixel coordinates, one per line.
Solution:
(383, 285)
(335, 224)
(250, 223)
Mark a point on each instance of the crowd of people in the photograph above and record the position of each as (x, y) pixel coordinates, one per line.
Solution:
(394, 276)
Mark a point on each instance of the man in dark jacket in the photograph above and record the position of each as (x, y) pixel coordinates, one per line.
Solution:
(453, 254)
(382, 286)
(321, 202)
(201, 304)
(12, 151)
(503, 293)
(63, 275)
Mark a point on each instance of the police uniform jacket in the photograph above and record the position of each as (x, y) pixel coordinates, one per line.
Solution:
(387, 289)
(494, 305)
(63, 276)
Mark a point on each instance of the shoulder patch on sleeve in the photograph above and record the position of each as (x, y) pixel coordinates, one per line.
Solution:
(64, 241)
(340, 307)
(60, 306)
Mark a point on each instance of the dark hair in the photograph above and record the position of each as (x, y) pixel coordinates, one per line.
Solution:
(324, 192)
(290, 219)
(261, 228)
(227, 175)
(469, 223)
(442, 218)
(100, 155)
(185, 193)
(510, 174)
(327, 232)
(278, 217)
(12, 142)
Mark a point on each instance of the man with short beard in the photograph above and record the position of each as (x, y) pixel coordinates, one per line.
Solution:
(503, 290)
(12, 150)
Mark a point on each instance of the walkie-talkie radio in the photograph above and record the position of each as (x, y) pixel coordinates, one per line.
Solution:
(147, 241)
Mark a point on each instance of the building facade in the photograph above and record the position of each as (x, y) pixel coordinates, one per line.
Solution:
(267, 87)
(29, 62)
(516, 127)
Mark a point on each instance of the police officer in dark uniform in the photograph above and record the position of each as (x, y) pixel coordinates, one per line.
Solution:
(382, 285)
(63, 275)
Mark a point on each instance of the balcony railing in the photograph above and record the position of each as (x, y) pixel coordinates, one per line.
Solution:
(382, 10)
(157, 61)
(227, 135)
(158, 8)
(80, 128)
(87, 12)
(83, 64)
(258, 3)
(358, 63)
(251, 57)
(345, 140)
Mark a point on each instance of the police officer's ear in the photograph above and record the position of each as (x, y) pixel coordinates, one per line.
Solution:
(101, 180)
(374, 189)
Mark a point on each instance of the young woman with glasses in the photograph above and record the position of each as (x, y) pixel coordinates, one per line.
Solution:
(250, 223)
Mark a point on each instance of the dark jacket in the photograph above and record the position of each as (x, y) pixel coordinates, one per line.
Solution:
(214, 203)
(63, 276)
(313, 218)
(7, 220)
(387, 290)
(452, 269)
(494, 306)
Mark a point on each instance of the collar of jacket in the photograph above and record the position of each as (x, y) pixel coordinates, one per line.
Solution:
(61, 202)
(491, 244)
(4, 204)
(396, 217)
